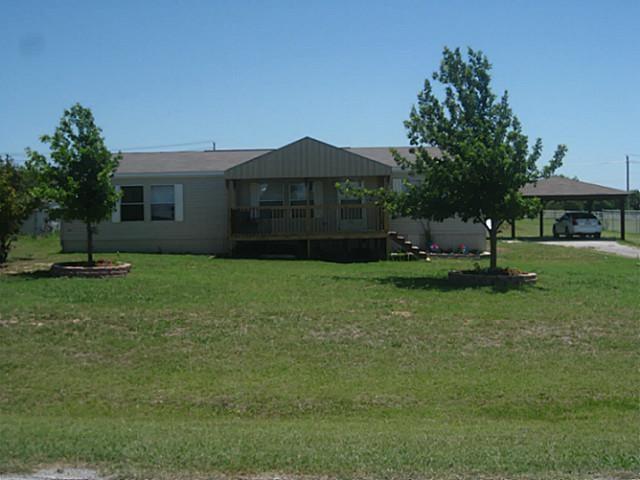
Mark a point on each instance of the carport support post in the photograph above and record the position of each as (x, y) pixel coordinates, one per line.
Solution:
(622, 215)
(542, 221)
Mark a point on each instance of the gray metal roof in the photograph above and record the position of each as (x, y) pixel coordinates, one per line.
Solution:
(383, 154)
(560, 187)
(217, 162)
(184, 162)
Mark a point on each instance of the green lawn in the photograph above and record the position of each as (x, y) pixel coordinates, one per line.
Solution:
(196, 366)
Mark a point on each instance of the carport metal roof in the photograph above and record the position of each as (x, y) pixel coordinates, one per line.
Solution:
(562, 188)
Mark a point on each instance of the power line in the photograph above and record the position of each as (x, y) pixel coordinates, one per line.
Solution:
(124, 149)
(149, 147)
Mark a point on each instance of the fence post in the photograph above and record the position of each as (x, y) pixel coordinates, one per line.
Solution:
(622, 219)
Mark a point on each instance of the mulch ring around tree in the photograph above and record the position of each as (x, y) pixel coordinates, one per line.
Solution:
(504, 277)
(99, 269)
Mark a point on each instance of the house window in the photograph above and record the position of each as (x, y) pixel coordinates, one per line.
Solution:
(271, 195)
(298, 195)
(350, 198)
(162, 202)
(349, 203)
(132, 204)
(399, 185)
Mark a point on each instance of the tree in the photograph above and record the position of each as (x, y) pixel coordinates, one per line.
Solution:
(78, 177)
(17, 202)
(484, 158)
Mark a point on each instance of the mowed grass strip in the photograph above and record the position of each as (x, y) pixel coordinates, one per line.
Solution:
(194, 365)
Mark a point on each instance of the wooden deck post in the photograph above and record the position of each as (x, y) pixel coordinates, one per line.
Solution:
(307, 213)
(542, 221)
(513, 228)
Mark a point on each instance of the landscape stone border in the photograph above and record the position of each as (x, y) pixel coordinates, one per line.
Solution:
(468, 279)
(72, 269)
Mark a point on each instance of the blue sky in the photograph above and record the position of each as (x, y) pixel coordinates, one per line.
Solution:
(263, 73)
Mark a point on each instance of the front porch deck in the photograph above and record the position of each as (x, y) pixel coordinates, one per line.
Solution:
(308, 222)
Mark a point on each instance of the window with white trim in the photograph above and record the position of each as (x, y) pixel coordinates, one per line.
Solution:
(132, 203)
(163, 203)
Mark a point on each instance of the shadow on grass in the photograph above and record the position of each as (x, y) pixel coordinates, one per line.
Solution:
(440, 284)
(29, 274)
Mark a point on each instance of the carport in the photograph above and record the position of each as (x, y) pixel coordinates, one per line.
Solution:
(561, 188)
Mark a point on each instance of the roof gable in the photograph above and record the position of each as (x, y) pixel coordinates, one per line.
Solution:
(308, 157)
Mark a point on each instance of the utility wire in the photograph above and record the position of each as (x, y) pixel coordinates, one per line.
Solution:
(149, 147)
(124, 149)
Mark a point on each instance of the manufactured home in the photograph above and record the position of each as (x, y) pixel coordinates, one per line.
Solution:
(262, 202)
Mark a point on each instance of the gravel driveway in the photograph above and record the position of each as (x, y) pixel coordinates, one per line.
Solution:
(605, 246)
(56, 474)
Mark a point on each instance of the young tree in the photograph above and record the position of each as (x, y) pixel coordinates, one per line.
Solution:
(484, 158)
(17, 202)
(78, 177)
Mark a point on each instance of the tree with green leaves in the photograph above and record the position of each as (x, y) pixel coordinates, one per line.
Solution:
(77, 179)
(483, 157)
(17, 202)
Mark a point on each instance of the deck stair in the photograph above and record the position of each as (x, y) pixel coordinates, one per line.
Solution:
(407, 246)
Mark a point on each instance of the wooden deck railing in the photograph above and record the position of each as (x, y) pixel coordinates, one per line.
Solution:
(307, 221)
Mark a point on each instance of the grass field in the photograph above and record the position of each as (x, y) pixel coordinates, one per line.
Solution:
(195, 366)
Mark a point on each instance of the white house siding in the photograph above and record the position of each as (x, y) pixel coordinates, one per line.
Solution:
(203, 229)
(448, 234)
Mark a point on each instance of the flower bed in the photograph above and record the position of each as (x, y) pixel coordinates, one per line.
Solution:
(461, 251)
(100, 269)
(497, 277)
(459, 255)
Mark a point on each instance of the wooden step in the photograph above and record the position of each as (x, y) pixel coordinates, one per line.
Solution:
(391, 233)
(408, 243)
(415, 248)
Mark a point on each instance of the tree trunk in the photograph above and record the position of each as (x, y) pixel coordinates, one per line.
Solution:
(4, 251)
(89, 244)
(493, 240)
